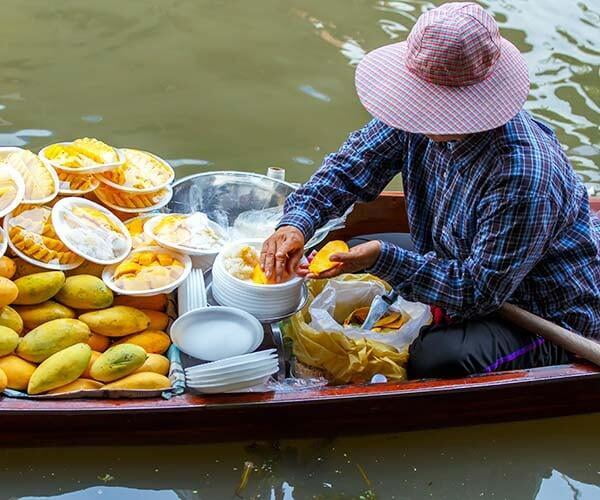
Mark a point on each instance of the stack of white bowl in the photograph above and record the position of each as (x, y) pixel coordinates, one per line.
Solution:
(233, 374)
(262, 301)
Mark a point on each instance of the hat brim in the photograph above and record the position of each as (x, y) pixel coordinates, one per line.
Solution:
(393, 94)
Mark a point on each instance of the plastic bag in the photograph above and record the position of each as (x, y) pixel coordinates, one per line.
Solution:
(340, 297)
(348, 354)
(260, 224)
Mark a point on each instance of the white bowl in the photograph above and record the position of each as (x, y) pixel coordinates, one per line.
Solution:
(109, 271)
(214, 333)
(163, 201)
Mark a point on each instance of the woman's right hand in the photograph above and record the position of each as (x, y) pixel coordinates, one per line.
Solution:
(281, 253)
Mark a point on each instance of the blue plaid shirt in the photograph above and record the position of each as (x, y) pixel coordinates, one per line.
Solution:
(500, 216)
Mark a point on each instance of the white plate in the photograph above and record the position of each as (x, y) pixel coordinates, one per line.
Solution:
(214, 372)
(241, 377)
(109, 272)
(241, 373)
(235, 361)
(82, 170)
(215, 333)
(149, 232)
(65, 206)
(215, 389)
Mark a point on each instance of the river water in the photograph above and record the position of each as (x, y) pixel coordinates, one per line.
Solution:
(233, 84)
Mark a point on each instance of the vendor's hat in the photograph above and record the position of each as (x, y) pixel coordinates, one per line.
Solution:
(454, 75)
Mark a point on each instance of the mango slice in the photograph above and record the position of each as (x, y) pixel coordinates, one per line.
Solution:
(259, 277)
(321, 262)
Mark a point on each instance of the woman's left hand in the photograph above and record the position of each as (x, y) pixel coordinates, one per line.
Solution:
(359, 258)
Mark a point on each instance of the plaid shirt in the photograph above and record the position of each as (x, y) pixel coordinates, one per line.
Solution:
(500, 216)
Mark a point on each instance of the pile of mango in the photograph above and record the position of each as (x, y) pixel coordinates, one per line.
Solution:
(61, 334)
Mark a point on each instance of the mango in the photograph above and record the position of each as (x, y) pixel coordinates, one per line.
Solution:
(34, 316)
(9, 340)
(24, 268)
(62, 368)
(39, 287)
(81, 384)
(155, 363)
(87, 267)
(116, 321)
(118, 361)
(3, 380)
(17, 370)
(158, 320)
(84, 291)
(8, 268)
(137, 381)
(11, 319)
(98, 342)
(154, 302)
(52, 337)
(153, 341)
(87, 373)
(8, 291)
(321, 262)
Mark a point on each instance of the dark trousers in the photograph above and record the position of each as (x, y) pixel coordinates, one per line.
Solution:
(472, 346)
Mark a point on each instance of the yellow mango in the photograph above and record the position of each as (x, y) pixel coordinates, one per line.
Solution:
(11, 319)
(153, 341)
(8, 268)
(155, 363)
(98, 342)
(117, 362)
(140, 381)
(34, 316)
(9, 340)
(25, 268)
(17, 370)
(39, 287)
(87, 267)
(158, 320)
(62, 368)
(164, 259)
(154, 302)
(88, 371)
(259, 277)
(8, 291)
(3, 380)
(52, 337)
(145, 258)
(321, 262)
(85, 291)
(127, 267)
(81, 384)
(116, 321)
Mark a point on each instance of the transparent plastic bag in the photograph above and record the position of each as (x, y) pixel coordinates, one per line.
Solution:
(340, 297)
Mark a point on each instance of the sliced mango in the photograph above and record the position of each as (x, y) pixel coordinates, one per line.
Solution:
(321, 262)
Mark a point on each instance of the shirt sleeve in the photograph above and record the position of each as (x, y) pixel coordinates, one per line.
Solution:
(358, 171)
(511, 237)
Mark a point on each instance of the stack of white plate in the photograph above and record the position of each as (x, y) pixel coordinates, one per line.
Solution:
(262, 301)
(233, 374)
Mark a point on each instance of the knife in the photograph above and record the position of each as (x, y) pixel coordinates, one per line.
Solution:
(379, 307)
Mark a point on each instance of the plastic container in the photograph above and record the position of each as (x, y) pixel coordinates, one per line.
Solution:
(133, 203)
(139, 164)
(192, 224)
(109, 272)
(89, 169)
(39, 179)
(75, 184)
(91, 231)
(135, 226)
(30, 230)
(12, 188)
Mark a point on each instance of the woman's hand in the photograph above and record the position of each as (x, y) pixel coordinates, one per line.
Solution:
(282, 252)
(359, 258)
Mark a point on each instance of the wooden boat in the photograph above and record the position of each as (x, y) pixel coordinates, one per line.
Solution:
(522, 394)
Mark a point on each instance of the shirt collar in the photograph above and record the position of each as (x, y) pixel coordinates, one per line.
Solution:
(463, 153)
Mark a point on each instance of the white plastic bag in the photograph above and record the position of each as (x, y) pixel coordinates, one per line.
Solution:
(339, 298)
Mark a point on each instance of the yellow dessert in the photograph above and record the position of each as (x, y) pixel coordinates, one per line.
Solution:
(39, 182)
(8, 190)
(147, 270)
(76, 182)
(140, 171)
(82, 153)
(136, 230)
(192, 231)
(31, 231)
(130, 201)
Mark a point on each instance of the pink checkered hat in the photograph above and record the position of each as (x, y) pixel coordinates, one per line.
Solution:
(455, 74)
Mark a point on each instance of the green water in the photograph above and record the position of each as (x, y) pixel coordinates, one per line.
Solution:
(234, 84)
